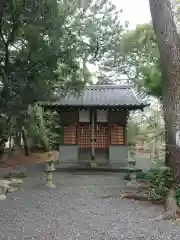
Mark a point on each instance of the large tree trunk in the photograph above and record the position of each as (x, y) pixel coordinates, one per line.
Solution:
(169, 46)
(2, 5)
(26, 141)
(166, 147)
(17, 139)
(42, 128)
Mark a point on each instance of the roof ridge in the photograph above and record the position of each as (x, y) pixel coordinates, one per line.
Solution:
(136, 95)
(119, 96)
(127, 86)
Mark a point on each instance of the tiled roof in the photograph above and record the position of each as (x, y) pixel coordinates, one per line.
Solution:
(104, 95)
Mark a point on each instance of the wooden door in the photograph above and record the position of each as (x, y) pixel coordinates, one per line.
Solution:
(101, 143)
(84, 142)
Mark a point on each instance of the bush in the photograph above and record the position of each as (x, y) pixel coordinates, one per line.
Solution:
(178, 195)
(160, 180)
(141, 175)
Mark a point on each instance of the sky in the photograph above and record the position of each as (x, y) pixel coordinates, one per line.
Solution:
(134, 11)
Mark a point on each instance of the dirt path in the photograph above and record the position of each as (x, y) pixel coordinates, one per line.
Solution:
(18, 158)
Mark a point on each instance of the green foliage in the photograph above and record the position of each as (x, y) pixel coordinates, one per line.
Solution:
(137, 57)
(152, 80)
(43, 127)
(141, 51)
(141, 175)
(52, 122)
(16, 175)
(132, 132)
(160, 180)
(178, 195)
(176, 11)
(45, 47)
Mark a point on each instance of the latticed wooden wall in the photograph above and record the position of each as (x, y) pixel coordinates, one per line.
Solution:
(105, 134)
(84, 135)
(117, 134)
(101, 134)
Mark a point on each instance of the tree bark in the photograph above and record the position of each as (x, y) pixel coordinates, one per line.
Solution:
(17, 139)
(166, 147)
(26, 140)
(169, 46)
(2, 5)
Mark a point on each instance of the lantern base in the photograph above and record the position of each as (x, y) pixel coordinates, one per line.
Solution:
(93, 164)
(50, 185)
(2, 197)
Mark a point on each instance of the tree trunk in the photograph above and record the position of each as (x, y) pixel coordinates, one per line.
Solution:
(166, 147)
(42, 128)
(169, 47)
(17, 139)
(26, 140)
(2, 146)
(10, 145)
(2, 5)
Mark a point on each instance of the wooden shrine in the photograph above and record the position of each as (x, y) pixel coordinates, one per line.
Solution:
(94, 126)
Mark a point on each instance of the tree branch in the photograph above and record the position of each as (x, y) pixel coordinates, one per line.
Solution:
(2, 37)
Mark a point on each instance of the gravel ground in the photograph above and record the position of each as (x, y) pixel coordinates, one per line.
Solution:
(70, 212)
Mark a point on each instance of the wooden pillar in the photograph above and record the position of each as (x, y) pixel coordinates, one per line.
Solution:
(125, 128)
(92, 135)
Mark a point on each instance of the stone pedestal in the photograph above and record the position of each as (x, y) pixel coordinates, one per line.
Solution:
(132, 164)
(2, 197)
(93, 164)
(50, 183)
(118, 156)
(49, 171)
(3, 189)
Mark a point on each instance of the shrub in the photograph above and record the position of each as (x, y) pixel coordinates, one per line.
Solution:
(160, 180)
(178, 195)
(141, 175)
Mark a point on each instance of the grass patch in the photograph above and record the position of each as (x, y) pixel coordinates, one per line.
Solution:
(139, 174)
(16, 175)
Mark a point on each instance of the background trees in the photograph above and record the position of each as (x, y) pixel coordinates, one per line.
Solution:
(45, 47)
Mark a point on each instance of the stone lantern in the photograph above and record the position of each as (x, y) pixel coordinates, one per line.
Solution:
(49, 170)
(3, 189)
(132, 164)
